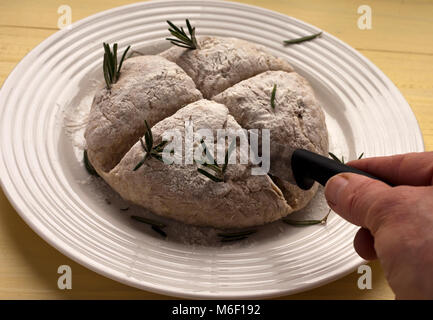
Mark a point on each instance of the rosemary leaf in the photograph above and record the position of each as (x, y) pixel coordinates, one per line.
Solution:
(139, 165)
(307, 222)
(122, 59)
(213, 167)
(191, 31)
(302, 39)
(333, 156)
(160, 146)
(173, 26)
(209, 175)
(274, 91)
(115, 62)
(237, 234)
(176, 40)
(148, 145)
(361, 155)
(142, 144)
(181, 45)
(148, 221)
(160, 231)
(90, 169)
(177, 37)
(302, 222)
(233, 239)
(156, 156)
(106, 72)
(109, 60)
(148, 137)
(181, 35)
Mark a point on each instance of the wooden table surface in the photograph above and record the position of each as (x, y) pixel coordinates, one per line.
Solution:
(400, 43)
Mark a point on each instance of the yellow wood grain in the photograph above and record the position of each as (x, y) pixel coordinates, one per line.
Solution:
(397, 25)
(399, 44)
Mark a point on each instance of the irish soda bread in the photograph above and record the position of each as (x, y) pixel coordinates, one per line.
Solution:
(225, 84)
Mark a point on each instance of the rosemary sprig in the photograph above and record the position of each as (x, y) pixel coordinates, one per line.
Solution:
(307, 222)
(110, 67)
(274, 91)
(160, 231)
(219, 171)
(333, 156)
(149, 221)
(181, 38)
(148, 147)
(90, 169)
(302, 39)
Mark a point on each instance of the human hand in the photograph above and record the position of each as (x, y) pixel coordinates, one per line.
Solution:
(397, 222)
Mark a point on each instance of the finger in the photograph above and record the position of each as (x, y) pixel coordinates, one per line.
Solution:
(364, 244)
(352, 196)
(415, 169)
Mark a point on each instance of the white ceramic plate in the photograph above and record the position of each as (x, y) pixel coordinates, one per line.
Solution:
(42, 174)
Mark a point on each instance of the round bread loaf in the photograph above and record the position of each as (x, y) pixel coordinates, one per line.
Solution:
(167, 91)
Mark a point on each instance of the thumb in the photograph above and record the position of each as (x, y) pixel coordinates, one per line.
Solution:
(356, 199)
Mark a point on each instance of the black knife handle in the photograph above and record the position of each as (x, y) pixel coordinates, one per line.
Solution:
(308, 167)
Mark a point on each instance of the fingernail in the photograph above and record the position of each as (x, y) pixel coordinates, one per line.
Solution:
(334, 187)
